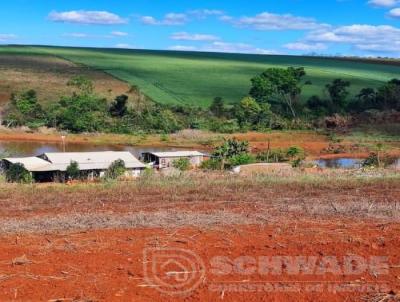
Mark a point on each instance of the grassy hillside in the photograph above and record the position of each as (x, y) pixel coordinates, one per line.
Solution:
(196, 78)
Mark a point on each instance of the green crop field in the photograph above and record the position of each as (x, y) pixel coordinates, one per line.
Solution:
(196, 78)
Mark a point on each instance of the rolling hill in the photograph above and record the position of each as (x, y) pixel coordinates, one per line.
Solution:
(196, 78)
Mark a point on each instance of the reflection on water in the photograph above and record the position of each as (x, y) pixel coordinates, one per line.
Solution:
(344, 163)
(17, 148)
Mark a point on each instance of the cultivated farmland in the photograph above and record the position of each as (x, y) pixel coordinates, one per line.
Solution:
(196, 78)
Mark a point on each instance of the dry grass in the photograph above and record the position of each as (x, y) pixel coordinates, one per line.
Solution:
(49, 75)
(199, 200)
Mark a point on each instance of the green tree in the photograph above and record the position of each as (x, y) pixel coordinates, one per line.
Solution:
(247, 112)
(279, 85)
(230, 148)
(338, 93)
(119, 108)
(217, 107)
(24, 109)
(318, 106)
(388, 96)
(296, 155)
(73, 171)
(80, 113)
(116, 170)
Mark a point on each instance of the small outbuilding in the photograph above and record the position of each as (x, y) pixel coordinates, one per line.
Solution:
(163, 160)
(53, 166)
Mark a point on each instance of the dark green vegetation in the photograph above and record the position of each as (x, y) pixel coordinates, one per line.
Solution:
(116, 170)
(192, 78)
(273, 103)
(182, 164)
(234, 153)
(73, 172)
(276, 98)
(18, 173)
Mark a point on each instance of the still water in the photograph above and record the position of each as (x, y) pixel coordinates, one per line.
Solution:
(18, 148)
(344, 163)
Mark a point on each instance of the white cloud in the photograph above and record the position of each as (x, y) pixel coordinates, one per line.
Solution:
(395, 13)
(7, 37)
(183, 48)
(184, 36)
(124, 46)
(119, 34)
(226, 18)
(383, 3)
(270, 21)
(181, 18)
(169, 19)
(237, 48)
(87, 17)
(382, 38)
(76, 35)
(305, 46)
(225, 47)
(204, 13)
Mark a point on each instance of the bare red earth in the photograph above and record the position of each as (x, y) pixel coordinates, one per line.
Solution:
(108, 265)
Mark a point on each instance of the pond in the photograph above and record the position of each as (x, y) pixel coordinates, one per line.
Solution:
(24, 148)
(343, 163)
(347, 163)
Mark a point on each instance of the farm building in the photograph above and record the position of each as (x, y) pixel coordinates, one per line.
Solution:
(163, 160)
(53, 166)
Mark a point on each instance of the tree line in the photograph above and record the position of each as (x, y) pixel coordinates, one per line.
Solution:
(273, 102)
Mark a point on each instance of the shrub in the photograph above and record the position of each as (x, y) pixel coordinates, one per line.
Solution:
(229, 149)
(295, 152)
(211, 164)
(242, 159)
(297, 163)
(376, 160)
(73, 171)
(371, 160)
(18, 173)
(116, 170)
(224, 126)
(273, 156)
(182, 164)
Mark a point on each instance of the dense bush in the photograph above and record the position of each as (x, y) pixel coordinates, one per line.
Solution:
(211, 164)
(272, 156)
(279, 155)
(24, 109)
(18, 173)
(242, 159)
(274, 102)
(116, 170)
(73, 171)
(182, 164)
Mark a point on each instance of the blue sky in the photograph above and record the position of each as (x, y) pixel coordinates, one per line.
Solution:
(346, 27)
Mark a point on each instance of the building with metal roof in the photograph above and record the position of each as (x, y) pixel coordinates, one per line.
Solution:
(52, 166)
(163, 160)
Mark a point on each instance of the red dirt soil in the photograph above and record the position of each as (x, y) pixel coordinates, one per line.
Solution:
(108, 265)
